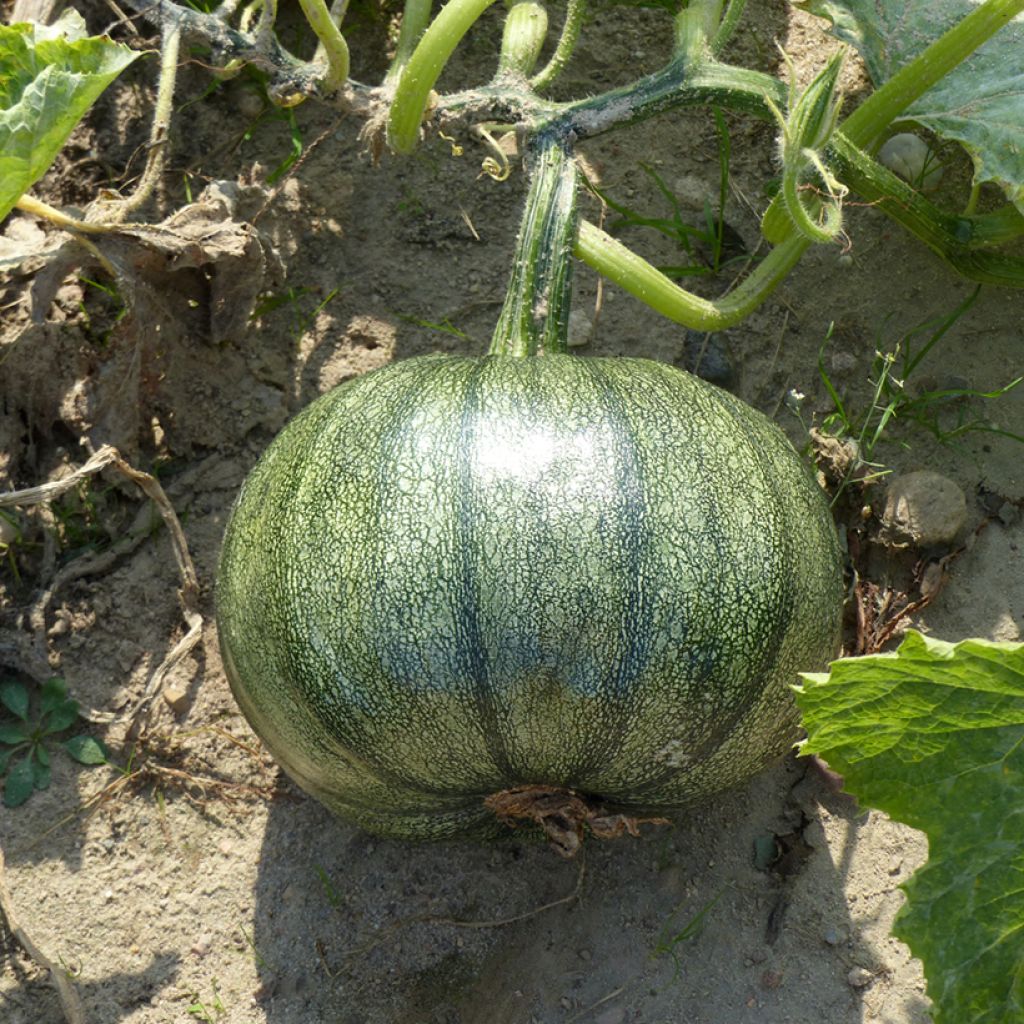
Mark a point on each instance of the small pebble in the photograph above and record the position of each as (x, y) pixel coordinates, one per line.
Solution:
(705, 356)
(202, 945)
(176, 696)
(859, 977)
(923, 509)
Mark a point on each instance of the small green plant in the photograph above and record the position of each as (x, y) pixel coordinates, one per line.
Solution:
(25, 742)
(944, 412)
(672, 935)
(293, 300)
(209, 1012)
(444, 326)
(329, 891)
(707, 244)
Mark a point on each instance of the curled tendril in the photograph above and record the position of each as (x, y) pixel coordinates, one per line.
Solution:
(457, 150)
(496, 166)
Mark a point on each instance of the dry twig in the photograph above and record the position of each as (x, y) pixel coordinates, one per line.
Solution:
(188, 596)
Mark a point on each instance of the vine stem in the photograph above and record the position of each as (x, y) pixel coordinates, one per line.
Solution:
(331, 41)
(534, 319)
(415, 18)
(936, 61)
(613, 260)
(159, 131)
(566, 44)
(424, 67)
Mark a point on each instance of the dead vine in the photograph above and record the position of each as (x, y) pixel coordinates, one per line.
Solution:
(188, 595)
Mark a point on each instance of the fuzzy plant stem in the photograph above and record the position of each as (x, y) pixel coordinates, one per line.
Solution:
(415, 18)
(534, 319)
(612, 259)
(332, 42)
(574, 12)
(159, 132)
(526, 28)
(424, 67)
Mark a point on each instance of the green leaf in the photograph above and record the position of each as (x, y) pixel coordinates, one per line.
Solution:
(12, 733)
(52, 694)
(14, 697)
(86, 750)
(61, 718)
(5, 757)
(980, 104)
(20, 783)
(49, 77)
(933, 735)
(40, 769)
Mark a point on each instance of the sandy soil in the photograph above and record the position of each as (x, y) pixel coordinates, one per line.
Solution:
(205, 886)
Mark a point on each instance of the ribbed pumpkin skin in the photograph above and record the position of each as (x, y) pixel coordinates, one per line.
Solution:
(452, 576)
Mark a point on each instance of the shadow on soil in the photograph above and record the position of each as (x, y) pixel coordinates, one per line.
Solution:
(678, 925)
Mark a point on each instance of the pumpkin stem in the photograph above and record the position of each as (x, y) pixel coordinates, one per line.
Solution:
(563, 815)
(534, 319)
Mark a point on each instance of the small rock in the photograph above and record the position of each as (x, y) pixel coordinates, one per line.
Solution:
(843, 362)
(923, 509)
(833, 936)
(1008, 513)
(859, 977)
(565, 1002)
(910, 157)
(225, 846)
(584, 954)
(581, 328)
(176, 696)
(202, 945)
(705, 356)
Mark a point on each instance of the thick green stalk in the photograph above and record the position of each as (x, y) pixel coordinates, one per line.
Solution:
(612, 259)
(424, 67)
(884, 105)
(676, 85)
(415, 18)
(728, 24)
(332, 41)
(959, 240)
(526, 28)
(534, 319)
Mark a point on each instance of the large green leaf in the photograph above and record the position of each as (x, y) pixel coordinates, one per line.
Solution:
(981, 104)
(933, 735)
(49, 77)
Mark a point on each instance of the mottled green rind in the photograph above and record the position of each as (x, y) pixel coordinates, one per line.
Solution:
(454, 575)
(933, 735)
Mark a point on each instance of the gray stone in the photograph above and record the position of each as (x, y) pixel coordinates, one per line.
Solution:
(922, 509)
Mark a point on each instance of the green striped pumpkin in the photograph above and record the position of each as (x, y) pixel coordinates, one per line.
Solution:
(453, 576)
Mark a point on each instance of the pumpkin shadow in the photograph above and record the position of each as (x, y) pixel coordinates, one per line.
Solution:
(680, 924)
